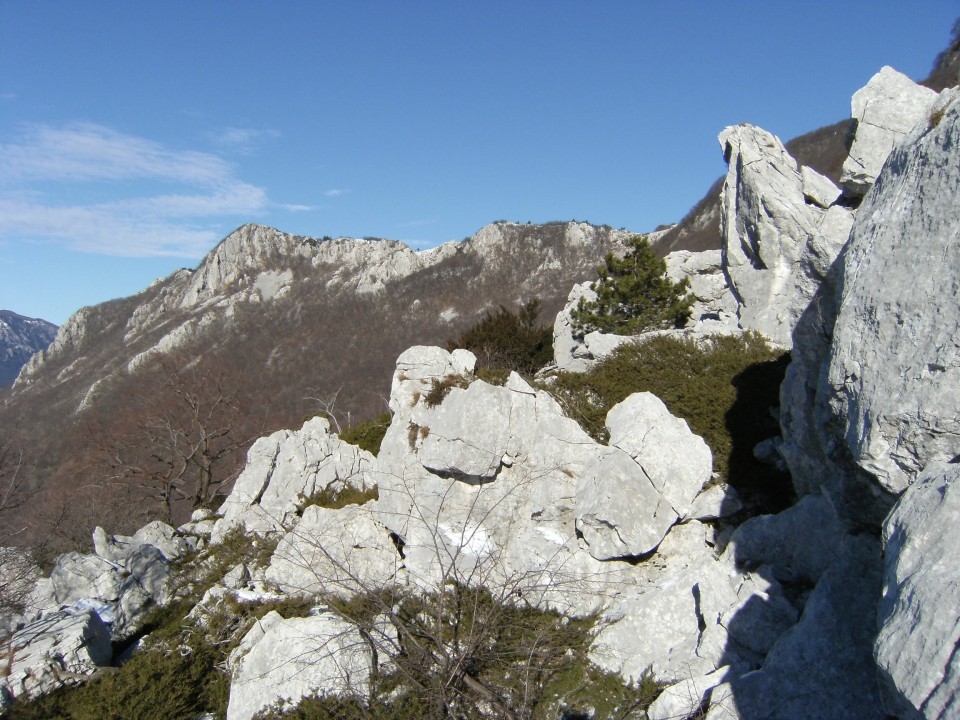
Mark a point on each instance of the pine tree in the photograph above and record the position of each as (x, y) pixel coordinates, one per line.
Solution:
(634, 295)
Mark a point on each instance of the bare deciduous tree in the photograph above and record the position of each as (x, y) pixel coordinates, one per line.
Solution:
(179, 439)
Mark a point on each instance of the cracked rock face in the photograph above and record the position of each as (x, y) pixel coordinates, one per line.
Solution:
(52, 650)
(282, 471)
(631, 495)
(916, 648)
(893, 380)
(778, 240)
(885, 110)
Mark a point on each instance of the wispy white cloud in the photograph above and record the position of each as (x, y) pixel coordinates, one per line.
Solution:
(296, 208)
(242, 140)
(85, 151)
(336, 192)
(134, 212)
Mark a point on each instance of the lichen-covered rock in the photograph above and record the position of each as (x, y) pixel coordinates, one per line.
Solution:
(884, 110)
(918, 611)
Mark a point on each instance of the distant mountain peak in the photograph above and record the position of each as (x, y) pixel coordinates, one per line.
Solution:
(20, 338)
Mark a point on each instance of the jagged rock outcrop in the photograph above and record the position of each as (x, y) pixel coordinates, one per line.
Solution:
(871, 396)
(57, 649)
(121, 582)
(490, 486)
(916, 648)
(283, 471)
(20, 338)
(778, 239)
(884, 110)
(629, 498)
(713, 311)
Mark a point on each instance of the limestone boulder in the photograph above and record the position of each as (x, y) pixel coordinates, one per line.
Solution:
(715, 502)
(892, 385)
(632, 494)
(343, 551)
(778, 242)
(481, 486)
(76, 577)
(885, 110)
(282, 471)
(56, 650)
(918, 612)
(713, 302)
(281, 661)
(116, 548)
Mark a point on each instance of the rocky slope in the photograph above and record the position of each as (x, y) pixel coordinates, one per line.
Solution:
(841, 606)
(20, 338)
(289, 325)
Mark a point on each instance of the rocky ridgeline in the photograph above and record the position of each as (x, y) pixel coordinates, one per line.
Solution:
(257, 264)
(814, 612)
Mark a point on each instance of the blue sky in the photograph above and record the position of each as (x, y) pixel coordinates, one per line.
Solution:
(135, 135)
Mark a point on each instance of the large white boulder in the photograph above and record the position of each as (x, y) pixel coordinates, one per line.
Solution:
(57, 649)
(285, 468)
(884, 110)
(919, 611)
(76, 576)
(280, 662)
(631, 495)
(343, 552)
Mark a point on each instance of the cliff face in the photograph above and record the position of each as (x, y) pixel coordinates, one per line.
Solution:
(20, 338)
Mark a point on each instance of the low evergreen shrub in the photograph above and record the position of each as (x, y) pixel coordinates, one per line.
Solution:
(368, 435)
(724, 387)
